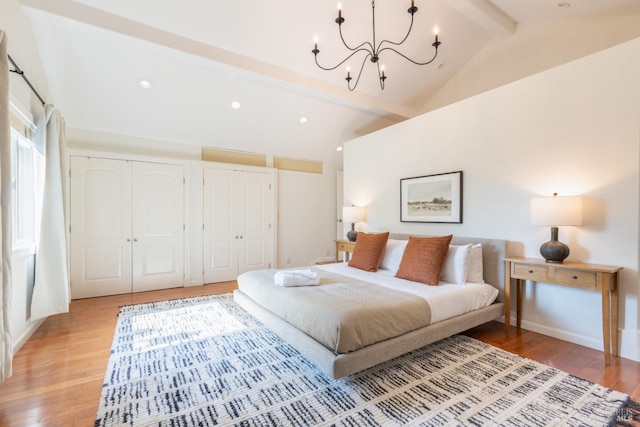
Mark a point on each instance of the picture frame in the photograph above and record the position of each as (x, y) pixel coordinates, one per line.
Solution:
(432, 198)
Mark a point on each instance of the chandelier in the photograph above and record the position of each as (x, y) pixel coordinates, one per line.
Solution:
(372, 50)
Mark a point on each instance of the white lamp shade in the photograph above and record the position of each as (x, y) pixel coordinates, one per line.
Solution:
(556, 211)
(352, 214)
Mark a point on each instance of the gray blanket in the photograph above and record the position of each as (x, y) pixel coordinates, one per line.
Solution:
(341, 313)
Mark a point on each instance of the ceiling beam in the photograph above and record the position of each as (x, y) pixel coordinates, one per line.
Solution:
(112, 22)
(487, 16)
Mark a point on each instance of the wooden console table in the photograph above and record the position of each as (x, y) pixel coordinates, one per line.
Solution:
(344, 246)
(602, 278)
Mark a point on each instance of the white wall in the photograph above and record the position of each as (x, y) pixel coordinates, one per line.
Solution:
(306, 217)
(575, 130)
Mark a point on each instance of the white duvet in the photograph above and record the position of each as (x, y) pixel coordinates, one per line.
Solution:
(446, 300)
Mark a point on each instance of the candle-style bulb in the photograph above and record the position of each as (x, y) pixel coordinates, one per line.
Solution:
(339, 20)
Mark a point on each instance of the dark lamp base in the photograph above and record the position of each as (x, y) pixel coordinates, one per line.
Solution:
(554, 251)
(352, 235)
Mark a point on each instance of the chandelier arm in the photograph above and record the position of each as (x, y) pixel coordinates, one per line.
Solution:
(344, 60)
(360, 46)
(364, 61)
(378, 49)
(381, 76)
(409, 59)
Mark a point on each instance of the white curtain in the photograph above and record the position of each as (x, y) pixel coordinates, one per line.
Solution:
(51, 288)
(6, 344)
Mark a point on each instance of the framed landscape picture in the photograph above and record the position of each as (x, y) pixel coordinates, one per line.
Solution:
(432, 198)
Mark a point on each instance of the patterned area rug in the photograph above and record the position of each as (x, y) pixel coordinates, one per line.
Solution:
(206, 362)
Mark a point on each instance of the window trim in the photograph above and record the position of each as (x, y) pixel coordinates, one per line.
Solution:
(22, 131)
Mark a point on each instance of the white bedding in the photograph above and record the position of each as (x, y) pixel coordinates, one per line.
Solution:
(446, 300)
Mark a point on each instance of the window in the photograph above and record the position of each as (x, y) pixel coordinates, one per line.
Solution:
(27, 169)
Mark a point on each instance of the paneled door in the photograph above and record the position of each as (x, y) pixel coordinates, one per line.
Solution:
(238, 211)
(127, 228)
(158, 226)
(100, 240)
(255, 225)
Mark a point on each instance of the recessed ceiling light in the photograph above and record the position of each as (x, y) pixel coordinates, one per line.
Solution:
(564, 4)
(339, 148)
(145, 84)
(235, 105)
(304, 120)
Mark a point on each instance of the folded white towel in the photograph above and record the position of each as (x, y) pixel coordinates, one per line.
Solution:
(296, 278)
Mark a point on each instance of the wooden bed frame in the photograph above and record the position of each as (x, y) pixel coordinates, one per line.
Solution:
(338, 365)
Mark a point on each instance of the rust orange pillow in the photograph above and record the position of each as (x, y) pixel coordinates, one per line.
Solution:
(368, 251)
(423, 259)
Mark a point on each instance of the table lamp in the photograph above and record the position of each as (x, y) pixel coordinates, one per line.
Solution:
(556, 211)
(352, 214)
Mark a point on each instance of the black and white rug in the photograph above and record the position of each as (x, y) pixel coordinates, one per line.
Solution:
(205, 361)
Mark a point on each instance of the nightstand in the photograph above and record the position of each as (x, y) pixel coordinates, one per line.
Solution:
(344, 246)
(603, 278)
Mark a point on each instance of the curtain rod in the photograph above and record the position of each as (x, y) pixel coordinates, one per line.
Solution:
(21, 73)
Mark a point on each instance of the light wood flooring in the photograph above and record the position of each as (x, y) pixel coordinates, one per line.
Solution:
(58, 373)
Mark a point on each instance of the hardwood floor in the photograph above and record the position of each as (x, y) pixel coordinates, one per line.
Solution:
(58, 373)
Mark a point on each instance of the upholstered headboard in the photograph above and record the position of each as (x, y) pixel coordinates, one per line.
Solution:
(493, 253)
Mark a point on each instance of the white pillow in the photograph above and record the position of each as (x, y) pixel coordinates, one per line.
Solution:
(476, 271)
(393, 254)
(456, 265)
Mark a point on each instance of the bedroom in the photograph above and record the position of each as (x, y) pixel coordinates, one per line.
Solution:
(613, 239)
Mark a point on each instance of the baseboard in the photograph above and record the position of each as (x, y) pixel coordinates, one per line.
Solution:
(563, 335)
(27, 334)
(194, 281)
(629, 340)
(323, 260)
(630, 348)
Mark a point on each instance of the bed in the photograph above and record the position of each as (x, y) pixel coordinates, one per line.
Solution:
(304, 323)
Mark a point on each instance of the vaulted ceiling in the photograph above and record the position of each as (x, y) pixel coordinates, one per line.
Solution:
(202, 55)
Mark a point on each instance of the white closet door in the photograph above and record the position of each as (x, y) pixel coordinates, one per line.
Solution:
(220, 251)
(255, 227)
(158, 226)
(238, 210)
(100, 209)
